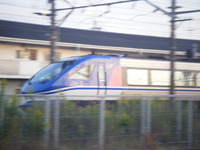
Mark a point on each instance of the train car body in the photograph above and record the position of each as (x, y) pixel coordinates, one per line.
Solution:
(113, 75)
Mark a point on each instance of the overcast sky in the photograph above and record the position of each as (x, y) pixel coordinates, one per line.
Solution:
(130, 18)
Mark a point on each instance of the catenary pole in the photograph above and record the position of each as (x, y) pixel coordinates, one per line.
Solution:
(53, 34)
(173, 47)
(173, 17)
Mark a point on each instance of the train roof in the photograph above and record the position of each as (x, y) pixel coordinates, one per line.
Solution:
(95, 56)
(72, 58)
(89, 57)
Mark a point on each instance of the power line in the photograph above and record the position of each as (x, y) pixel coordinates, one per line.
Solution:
(120, 26)
(124, 20)
(155, 23)
(91, 6)
(28, 7)
(96, 5)
(105, 17)
(32, 8)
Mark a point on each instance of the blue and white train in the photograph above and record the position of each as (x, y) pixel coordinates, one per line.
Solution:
(112, 75)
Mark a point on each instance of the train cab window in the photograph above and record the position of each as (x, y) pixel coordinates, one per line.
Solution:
(83, 73)
(137, 77)
(51, 72)
(184, 78)
(160, 77)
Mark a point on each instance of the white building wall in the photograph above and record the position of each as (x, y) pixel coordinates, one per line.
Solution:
(8, 52)
(69, 53)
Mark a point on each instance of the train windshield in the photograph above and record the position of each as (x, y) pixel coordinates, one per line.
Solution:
(51, 71)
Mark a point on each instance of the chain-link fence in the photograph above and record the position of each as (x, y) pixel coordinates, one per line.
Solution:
(121, 123)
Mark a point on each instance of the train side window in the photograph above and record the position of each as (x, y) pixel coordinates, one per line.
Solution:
(197, 77)
(160, 77)
(83, 73)
(137, 77)
(101, 73)
(184, 78)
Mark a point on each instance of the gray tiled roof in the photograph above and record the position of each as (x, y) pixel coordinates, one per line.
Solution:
(68, 35)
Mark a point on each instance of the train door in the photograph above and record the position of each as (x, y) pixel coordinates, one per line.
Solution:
(101, 79)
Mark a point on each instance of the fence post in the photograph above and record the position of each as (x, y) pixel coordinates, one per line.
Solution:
(148, 128)
(145, 115)
(179, 119)
(101, 124)
(190, 123)
(47, 122)
(2, 98)
(1, 111)
(56, 122)
(146, 136)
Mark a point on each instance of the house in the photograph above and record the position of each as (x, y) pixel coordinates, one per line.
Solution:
(25, 48)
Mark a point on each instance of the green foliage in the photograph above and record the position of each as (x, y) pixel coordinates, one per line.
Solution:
(79, 123)
(19, 129)
(124, 120)
(34, 123)
(3, 83)
(10, 131)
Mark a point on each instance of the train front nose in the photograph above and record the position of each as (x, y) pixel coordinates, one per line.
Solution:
(27, 88)
(36, 87)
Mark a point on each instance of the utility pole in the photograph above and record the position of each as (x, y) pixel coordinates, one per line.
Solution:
(173, 40)
(53, 30)
(173, 47)
(173, 17)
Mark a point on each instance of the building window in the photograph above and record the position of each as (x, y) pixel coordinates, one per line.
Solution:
(26, 54)
(33, 54)
(19, 54)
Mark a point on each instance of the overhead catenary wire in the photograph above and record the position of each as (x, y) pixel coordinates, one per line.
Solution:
(33, 8)
(96, 5)
(120, 19)
(187, 5)
(137, 12)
